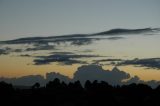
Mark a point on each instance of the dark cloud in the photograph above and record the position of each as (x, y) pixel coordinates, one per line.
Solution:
(25, 55)
(43, 43)
(41, 47)
(25, 80)
(66, 58)
(36, 47)
(104, 60)
(83, 73)
(17, 50)
(136, 79)
(114, 77)
(128, 31)
(76, 39)
(82, 41)
(152, 83)
(79, 39)
(148, 62)
(63, 53)
(111, 61)
(5, 51)
(96, 72)
(32, 79)
(115, 38)
(86, 51)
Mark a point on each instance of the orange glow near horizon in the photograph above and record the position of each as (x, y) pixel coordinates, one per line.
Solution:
(12, 66)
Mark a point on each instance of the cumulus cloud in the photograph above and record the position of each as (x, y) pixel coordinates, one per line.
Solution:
(85, 72)
(96, 72)
(52, 75)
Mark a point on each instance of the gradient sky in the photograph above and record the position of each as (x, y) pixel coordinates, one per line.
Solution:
(23, 18)
(135, 52)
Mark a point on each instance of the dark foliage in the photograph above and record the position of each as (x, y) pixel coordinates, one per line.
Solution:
(59, 93)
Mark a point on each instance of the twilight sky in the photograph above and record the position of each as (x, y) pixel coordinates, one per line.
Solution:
(66, 36)
(23, 18)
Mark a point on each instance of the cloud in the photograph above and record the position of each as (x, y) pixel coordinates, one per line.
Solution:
(136, 79)
(152, 83)
(66, 58)
(96, 72)
(104, 60)
(52, 75)
(5, 51)
(128, 31)
(80, 39)
(43, 43)
(115, 38)
(85, 72)
(147, 62)
(43, 46)
(25, 55)
(75, 39)
(84, 51)
(25, 80)
(115, 76)
(17, 50)
(30, 80)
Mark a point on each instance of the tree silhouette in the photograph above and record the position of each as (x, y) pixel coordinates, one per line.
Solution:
(74, 94)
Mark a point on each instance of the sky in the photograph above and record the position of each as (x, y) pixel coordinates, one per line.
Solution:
(24, 18)
(73, 39)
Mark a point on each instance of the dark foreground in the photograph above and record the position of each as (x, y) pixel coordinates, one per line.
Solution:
(58, 93)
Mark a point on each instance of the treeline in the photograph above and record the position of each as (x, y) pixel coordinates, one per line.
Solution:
(59, 93)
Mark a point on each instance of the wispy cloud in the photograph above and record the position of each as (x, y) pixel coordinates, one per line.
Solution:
(128, 31)
(80, 39)
(66, 58)
(147, 62)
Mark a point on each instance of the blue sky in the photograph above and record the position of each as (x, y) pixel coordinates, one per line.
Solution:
(23, 18)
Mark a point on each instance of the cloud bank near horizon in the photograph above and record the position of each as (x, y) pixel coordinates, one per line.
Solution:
(86, 72)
